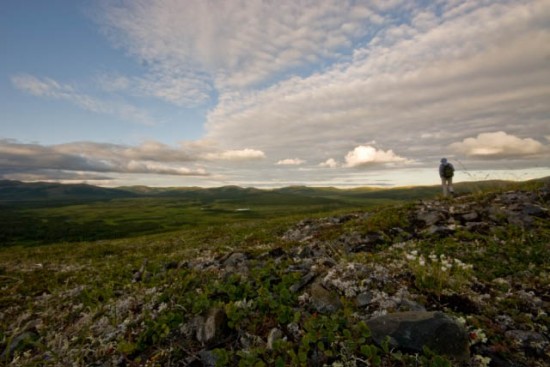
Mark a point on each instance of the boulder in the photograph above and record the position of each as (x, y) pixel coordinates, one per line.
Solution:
(413, 330)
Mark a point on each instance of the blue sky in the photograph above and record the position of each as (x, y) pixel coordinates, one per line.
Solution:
(267, 94)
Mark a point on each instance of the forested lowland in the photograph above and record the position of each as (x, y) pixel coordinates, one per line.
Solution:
(42, 213)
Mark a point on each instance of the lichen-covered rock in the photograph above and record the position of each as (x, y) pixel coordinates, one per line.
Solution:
(274, 335)
(213, 328)
(412, 331)
(323, 300)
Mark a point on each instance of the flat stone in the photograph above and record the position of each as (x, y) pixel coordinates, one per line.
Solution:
(363, 299)
(470, 217)
(429, 217)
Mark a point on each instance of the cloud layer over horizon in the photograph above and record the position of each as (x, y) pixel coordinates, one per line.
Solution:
(313, 91)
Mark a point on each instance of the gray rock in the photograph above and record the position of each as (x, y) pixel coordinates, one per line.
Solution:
(429, 218)
(525, 336)
(294, 331)
(305, 280)
(534, 210)
(235, 259)
(364, 299)
(274, 335)
(140, 274)
(208, 358)
(323, 300)
(409, 305)
(214, 326)
(248, 341)
(477, 226)
(533, 342)
(412, 331)
(470, 217)
(439, 230)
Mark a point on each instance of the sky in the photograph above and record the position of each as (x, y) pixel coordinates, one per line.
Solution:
(262, 93)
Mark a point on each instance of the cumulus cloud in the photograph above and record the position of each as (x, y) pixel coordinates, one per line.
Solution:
(50, 88)
(290, 162)
(329, 163)
(236, 155)
(498, 145)
(367, 156)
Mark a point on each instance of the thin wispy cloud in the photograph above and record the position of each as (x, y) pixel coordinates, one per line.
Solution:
(50, 88)
(237, 43)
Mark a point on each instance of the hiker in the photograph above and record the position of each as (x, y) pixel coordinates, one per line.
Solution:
(446, 172)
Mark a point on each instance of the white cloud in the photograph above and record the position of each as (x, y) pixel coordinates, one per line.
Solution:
(329, 163)
(234, 44)
(315, 79)
(290, 162)
(367, 155)
(498, 145)
(236, 155)
(49, 88)
(414, 89)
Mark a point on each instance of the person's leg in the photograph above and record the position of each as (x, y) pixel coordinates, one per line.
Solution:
(450, 185)
(444, 185)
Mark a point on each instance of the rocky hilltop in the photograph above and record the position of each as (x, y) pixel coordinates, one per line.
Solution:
(448, 282)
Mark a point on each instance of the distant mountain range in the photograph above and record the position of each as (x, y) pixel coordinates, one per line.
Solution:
(38, 191)
(16, 191)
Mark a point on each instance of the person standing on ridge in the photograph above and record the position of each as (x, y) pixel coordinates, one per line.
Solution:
(446, 172)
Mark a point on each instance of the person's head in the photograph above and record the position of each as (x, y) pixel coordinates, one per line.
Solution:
(443, 160)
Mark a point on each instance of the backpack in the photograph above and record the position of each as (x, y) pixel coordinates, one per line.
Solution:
(448, 170)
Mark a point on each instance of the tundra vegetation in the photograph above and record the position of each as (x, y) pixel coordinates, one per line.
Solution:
(288, 277)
